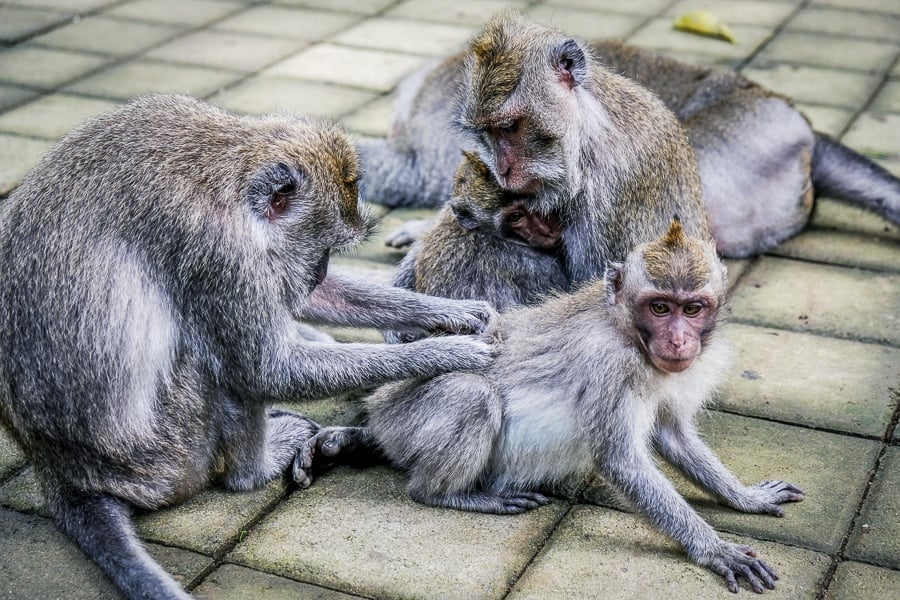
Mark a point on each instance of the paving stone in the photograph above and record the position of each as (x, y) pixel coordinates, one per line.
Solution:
(871, 26)
(464, 12)
(17, 24)
(832, 301)
(888, 99)
(45, 68)
(833, 214)
(769, 14)
(831, 469)
(886, 6)
(40, 562)
(210, 520)
(376, 541)
(635, 7)
(11, 456)
(262, 94)
(374, 249)
(17, 156)
(816, 85)
(357, 67)
(854, 580)
(10, 95)
(843, 248)
(233, 51)
(659, 34)
(602, 553)
(187, 13)
(78, 6)
(374, 119)
(283, 21)
(810, 380)
(736, 268)
(114, 37)
(876, 536)
(826, 119)
(839, 53)
(875, 134)
(53, 116)
(23, 493)
(140, 77)
(414, 37)
(585, 23)
(365, 7)
(231, 582)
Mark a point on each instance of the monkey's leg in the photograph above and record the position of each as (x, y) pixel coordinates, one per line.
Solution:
(628, 465)
(341, 301)
(101, 526)
(680, 444)
(397, 176)
(408, 233)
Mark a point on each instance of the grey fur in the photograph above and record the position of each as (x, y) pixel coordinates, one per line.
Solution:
(153, 268)
(760, 161)
(572, 392)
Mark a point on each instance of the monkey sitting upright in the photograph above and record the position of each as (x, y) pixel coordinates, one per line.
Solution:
(485, 244)
(589, 381)
(154, 266)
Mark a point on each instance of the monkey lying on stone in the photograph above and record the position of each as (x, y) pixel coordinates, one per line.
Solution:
(154, 266)
(592, 381)
(760, 161)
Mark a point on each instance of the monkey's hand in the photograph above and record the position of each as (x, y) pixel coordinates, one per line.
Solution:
(444, 354)
(468, 317)
(408, 233)
(733, 560)
(765, 496)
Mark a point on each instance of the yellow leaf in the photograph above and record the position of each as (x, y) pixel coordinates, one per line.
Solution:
(703, 22)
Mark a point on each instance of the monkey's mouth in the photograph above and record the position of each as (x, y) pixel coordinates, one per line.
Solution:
(673, 364)
(321, 269)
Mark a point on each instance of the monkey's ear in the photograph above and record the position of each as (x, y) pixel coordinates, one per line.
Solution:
(273, 190)
(464, 217)
(570, 63)
(612, 277)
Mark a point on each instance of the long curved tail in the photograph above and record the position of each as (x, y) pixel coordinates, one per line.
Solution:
(839, 172)
(101, 526)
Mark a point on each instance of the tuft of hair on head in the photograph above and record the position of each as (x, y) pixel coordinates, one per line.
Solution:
(675, 261)
(497, 62)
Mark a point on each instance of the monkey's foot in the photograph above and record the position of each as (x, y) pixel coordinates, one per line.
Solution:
(408, 233)
(495, 504)
(732, 561)
(329, 443)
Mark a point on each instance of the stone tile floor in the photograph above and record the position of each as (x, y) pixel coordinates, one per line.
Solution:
(816, 323)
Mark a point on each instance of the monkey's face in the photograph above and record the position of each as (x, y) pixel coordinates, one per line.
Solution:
(674, 327)
(308, 203)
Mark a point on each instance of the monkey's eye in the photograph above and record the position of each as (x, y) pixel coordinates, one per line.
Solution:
(508, 126)
(659, 309)
(692, 310)
(515, 216)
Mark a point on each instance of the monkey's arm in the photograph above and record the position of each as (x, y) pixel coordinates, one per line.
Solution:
(681, 445)
(342, 301)
(625, 461)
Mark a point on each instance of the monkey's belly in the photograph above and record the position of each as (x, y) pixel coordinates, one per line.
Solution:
(539, 443)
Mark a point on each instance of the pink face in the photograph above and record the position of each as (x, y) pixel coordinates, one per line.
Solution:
(673, 328)
(510, 163)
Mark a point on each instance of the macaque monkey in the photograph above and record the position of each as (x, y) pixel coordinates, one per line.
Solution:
(589, 382)
(517, 96)
(485, 244)
(154, 266)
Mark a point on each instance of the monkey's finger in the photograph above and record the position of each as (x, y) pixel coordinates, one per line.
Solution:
(751, 579)
(766, 573)
(774, 510)
(731, 581)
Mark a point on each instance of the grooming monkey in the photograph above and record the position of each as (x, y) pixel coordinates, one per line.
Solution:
(485, 244)
(591, 381)
(153, 268)
(760, 161)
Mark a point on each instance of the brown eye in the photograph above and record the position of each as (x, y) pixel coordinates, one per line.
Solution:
(515, 216)
(692, 310)
(659, 309)
(508, 126)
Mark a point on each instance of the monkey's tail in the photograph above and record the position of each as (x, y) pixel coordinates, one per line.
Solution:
(839, 172)
(101, 526)
(397, 178)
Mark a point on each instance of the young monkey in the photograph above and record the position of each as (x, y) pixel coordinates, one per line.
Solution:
(591, 381)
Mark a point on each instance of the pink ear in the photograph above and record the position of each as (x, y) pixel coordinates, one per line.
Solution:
(570, 63)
